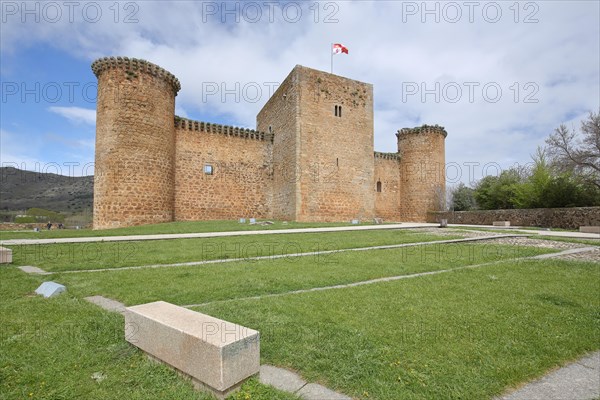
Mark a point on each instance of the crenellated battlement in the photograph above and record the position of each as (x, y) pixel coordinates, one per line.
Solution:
(200, 126)
(387, 156)
(132, 66)
(423, 129)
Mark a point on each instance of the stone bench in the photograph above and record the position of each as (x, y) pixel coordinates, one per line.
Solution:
(217, 355)
(5, 255)
(501, 223)
(589, 229)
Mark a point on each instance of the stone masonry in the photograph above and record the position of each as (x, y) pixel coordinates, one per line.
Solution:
(310, 159)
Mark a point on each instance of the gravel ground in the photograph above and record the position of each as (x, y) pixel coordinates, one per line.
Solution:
(451, 232)
(523, 241)
(550, 244)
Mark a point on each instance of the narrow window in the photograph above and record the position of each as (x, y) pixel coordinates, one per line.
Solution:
(335, 110)
(337, 162)
(208, 169)
(270, 129)
(340, 111)
(378, 186)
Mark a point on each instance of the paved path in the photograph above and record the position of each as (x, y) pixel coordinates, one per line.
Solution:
(13, 242)
(579, 380)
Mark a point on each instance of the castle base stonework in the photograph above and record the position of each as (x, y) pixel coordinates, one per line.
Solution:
(310, 159)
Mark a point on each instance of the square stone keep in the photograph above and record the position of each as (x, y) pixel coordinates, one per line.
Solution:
(215, 353)
(50, 289)
(5, 255)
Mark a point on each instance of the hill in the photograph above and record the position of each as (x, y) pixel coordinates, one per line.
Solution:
(20, 190)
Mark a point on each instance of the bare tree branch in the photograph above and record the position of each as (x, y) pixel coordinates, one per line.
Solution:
(579, 156)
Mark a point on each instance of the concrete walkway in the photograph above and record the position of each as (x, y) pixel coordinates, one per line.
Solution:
(579, 380)
(14, 242)
(411, 225)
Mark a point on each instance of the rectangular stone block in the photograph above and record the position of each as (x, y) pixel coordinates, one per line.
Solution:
(50, 289)
(501, 223)
(589, 229)
(217, 354)
(5, 255)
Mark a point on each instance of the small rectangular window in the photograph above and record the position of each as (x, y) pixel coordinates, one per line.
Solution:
(208, 169)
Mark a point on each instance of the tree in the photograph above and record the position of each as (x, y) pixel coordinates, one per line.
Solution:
(498, 192)
(578, 155)
(566, 190)
(463, 198)
(532, 192)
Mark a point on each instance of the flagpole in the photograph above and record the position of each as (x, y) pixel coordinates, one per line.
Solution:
(331, 51)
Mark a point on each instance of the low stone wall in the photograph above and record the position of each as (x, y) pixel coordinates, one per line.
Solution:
(13, 226)
(564, 218)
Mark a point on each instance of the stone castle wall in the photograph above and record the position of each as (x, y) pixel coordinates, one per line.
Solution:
(335, 152)
(240, 183)
(422, 171)
(311, 158)
(135, 143)
(280, 117)
(387, 175)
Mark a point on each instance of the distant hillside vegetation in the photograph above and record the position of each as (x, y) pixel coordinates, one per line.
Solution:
(21, 190)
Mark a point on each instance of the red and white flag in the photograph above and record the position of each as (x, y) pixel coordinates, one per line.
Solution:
(339, 48)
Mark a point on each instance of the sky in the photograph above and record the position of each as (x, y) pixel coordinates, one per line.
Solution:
(499, 76)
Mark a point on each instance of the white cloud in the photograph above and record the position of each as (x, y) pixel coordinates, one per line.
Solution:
(76, 114)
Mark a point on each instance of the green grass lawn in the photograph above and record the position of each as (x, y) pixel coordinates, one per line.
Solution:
(98, 255)
(470, 333)
(200, 284)
(51, 348)
(170, 227)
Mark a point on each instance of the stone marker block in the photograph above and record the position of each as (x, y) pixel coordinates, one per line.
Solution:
(443, 223)
(216, 354)
(501, 223)
(252, 220)
(354, 222)
(50, 289)
(5, 255)
(589, 229)
(242, 220)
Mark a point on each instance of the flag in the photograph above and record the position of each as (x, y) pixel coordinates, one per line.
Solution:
(339, 48)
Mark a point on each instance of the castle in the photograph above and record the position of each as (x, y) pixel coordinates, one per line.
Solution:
(311, 157)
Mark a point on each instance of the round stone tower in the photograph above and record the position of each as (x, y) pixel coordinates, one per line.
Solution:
(422, 171)
(135, 143)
